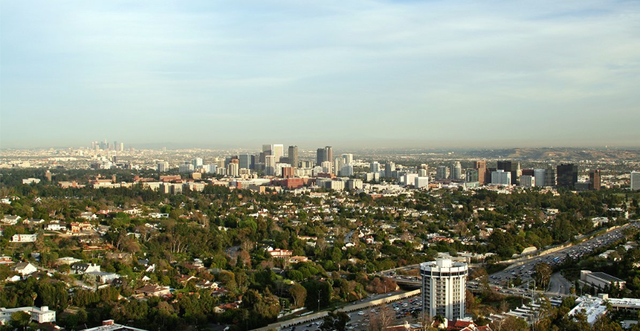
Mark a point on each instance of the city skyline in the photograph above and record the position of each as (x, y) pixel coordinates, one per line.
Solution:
(356, 74)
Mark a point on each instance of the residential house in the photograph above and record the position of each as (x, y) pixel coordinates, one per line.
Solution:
(6, 259)
(81, 268)
(153, 290)
(103, 277)
(24, 268)
(77, 227)
(110, 325)
(10, 219)
(24, 238)
(56, 226)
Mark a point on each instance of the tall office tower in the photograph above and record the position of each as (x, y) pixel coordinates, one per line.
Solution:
(121, 147)
(163, 166)
(328, 153)
(594, 179)
(528, 172)
(635, 180)
(320, 156)
(375, 166)
(456, 171)
(471, 175)
(550, 176)
(233, 169)
(567, 175)
(327, 167)
(269, 165)
(277, 151)
(481, 166)
(185, 168)
(115, 146)
(539, 175)
(244, 161)
(513, 168)
(501, 177)
(293, 156)
(444, 288)
(337, 165)
(423, 173)
(348, 158)
(197, 163)
(389, 169)
(346, 170)
(527, 181)
(441, 172)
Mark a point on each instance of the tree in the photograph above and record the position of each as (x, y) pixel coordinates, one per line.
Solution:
(542, 274)
(298, 294)
(335, 321)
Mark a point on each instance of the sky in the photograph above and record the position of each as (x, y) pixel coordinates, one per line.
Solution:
(357, 73)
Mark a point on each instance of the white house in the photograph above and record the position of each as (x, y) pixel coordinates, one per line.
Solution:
(56, 227)
(24, 238)
(24, 268)
(10, 219)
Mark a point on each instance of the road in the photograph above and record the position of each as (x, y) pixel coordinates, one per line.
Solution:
(558, 285)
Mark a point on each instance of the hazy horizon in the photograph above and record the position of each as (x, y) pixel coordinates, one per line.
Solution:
(387, 74)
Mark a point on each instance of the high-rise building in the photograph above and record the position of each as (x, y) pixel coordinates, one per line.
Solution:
(539, 175)
(269, 165)
(471, 175)
(277, 150)
(328, 153)
(481, 166)
(389, 169)
(550, 176)
(197, 163)
(163, 166)
(441, 172)
(293, 156)
(456, 171)
(233, 169)
(527, 181)
(320, 156)
(348, 158)
(244, 161)
(594, 179)
(375, 166)
(444, 288)
(501, 177)
(635, 180)
(567, 175)
(513, 168)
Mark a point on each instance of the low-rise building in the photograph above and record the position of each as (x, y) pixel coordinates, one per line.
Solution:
(24, 268)
(39, 315)
(82, 268)
(24, 238)
(110, 325)
(601, 279)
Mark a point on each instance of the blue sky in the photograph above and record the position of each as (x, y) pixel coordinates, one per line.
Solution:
(346, 73)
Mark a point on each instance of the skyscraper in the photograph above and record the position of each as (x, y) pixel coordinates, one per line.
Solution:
(539, 175)
(567, 175)
(244, 161)
(481, 166)
(594, 179)
(320, 156)
(512, 167)
(441, 172)
(550, 176)
(444, 288)
(389, 169)
(635, 180)
(456, 171)
(328, 153)
(293, 156)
